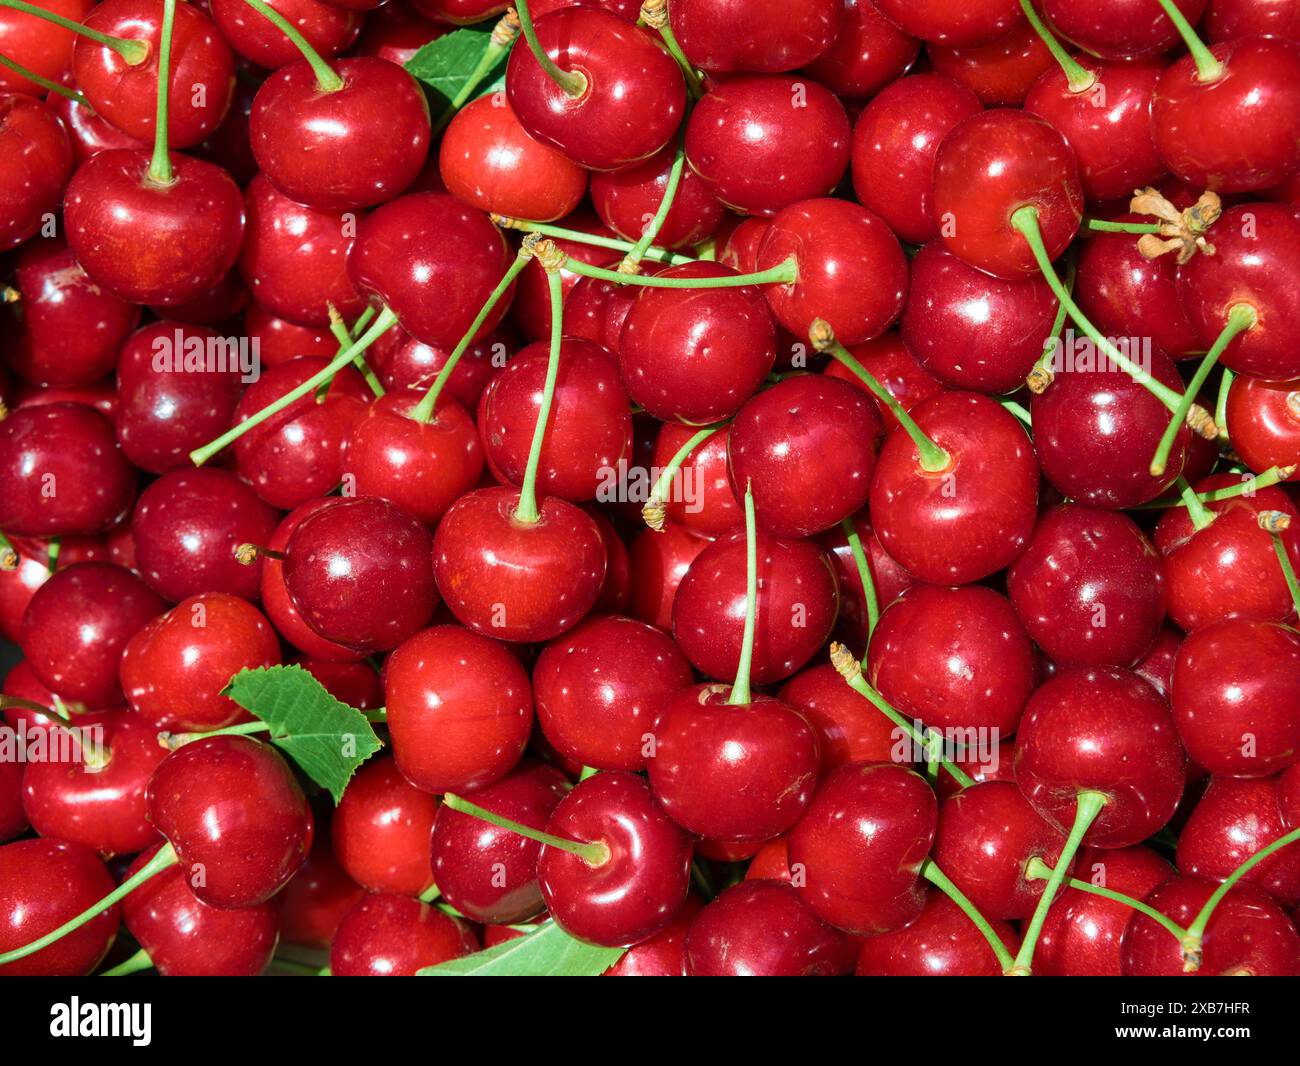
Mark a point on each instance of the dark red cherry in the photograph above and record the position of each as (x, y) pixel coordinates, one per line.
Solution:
(99, 396)
(357, 684)
(696, 355)
(487, 873)
(1102, 730)
(234, 812)
(530, 313)
(88, 132)
(360, 572)
(278, 340)
(456, 12)
(950, 23)
(705, 502)
(314, 901)
(749, 136)
(44, 883)
(643, 881)
(1236, 697)
(868, 53)
(460, 709)
(973, 331)
(732, 771)
(754, 35)
(18, 586)
(386, 935)
(659, 561)
(1001, 73)
(664, 954)
(628, 199)
(1156, 667)
(402, 362)
(1263, 420)
(359, 145)
(988, 167)
(888, 359)
(381, 831)
(1119, 29)
(600, 688)
(1090, 587)
(942, 942)
(328, 28)
(13, 820)
(956, 659)
(187, 527)
(894, 144)
(848, 727)
(632, 98)
(22, 682)
(40, 46)
(396, 32)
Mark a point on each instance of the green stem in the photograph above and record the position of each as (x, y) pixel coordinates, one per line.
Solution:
(692, 76)
(45, 83)
(1200, 515)
(345, 337)
(1221, 405)
(1037, 870)
(595, 853)
(1017, 411)
(173, 741)
(864, 575)
(137, 962)
(527, 510)
(19, 703)
(384, 322)
(740, 693)
(165, 859)
(653, 512)
(573, 82)
(1041, 375)
(327, 80)
(940, 880)
(499, 41)
(632, 261)
(160, 166)
(134, 52)
(301, 969)
(784, 273)
(614, 244)
(587, 771)
(1288, 571)
(1100, 225)
(1207, 67)
(1241, 317)
(1077, 77)
(1248, 487)
(52, 554)
(431, 894)
(1089, 806)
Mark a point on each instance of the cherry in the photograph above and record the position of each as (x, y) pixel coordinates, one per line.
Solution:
(742, 771)
(360, 572)
(42, 47)
(530, 313)
(18, 586)
(1090, 587)
(387, 935)
(973, 331)
(278, 340)
(659, 562)
(234, 812)
(459, 709)
(345, 146)
(664, 954)
(971, 516)
(457, 12)
(1227, 19)
(888, 359)
(187, 527)
(396, 32)
(489, 873)
(13, 820)
(754, 35)
(947, 22)
(956, 659)
(712, 506)
(849, 729)
(44, 883)
(314, 901)
(64, 472)
(941, 942)
(1107, 731)
(628, 199)
(1235, 697)
(696, 355)
(599, 690)
(988, 167)
(1263, 421)
(99, 396)
(1119, 29)
(88, 132)
(328, 28)
(23, 683)
(619, 95)
(357, 684)
(402, 362)
(632, 876)
(381, 831)
(1000, 73)
(748, 138)
(867, 54)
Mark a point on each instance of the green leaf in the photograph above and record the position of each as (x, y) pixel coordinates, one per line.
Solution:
(324, 736)
(549, 952)
(446, 66)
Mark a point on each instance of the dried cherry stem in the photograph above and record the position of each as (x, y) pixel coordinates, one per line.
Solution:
(527, 510)
(1192, 942)
(1274, 523)
(594, 853)
(327, 79)
(654, 512)
(133, 52)
(8, 554)
(137, 962)
(654, 13)
(573, 82)
(931, 872)
(850, 669)
(45, 83)
(1078, 78)
(740, 692)
(346, 336)
(1221, 405)
(1241, 317)
(632, 261)
(1037, 870)
(163, 860)
(160, 166)
(933, 459)
(864, 576)
(1200, 515)
(1089, 806)
(1207, 67)
(596, 240)
(1248, 487)
(1101, 225)
(502, 37)
(784, 273)
(1041, 374)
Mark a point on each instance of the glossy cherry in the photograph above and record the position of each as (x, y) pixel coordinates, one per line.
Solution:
(387, 935)
(1119, 29)
(659, 562)
(1263, 419)
(706, 502)
(40, 46)
(941, 942)
(1226, 19)
(627, 200)
(754, 35)
(381, 830)
(314, 901)
(278, 340)
(868, 53)
(328, 28)
(1000, 73)
(402, 362)
(890, 361)
(952, 23)
(664, 954)
(849, 729)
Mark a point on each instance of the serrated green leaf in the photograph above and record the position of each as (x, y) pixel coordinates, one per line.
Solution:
(446, 66)
(549, 952)
(324, 736)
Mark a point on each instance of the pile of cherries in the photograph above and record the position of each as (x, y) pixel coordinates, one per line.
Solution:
(846, 281)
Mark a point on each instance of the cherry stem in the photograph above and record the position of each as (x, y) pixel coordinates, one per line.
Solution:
(1270, 477)
(573, 82)
(850, 669)
(933, 459)
(1017, 411)
(1241, 317)
(864, 576)
(1077, 77)
(931, 872)
(423, 411)
(594, 853)
(1200, 515)
(45, 83)
(384, 322)
(137, 962)
(8, 554)
(1040, 376)
(654, 511)
(784, 273)
(160, 167)
(632, 261)
(740, 694)
(527, 510)
(1196, 931)
(1101, 225)
(1207, 67)
(1037, 870)
(431, 894)
(327, 79)
(52, 554)
(499, 41)
(614, 244)
(346, 336)
(290, 966)
(1089, 806)
(165, 859)
(1270, 520)
(18, 703)
(654, 13)
(586, 772)
(1221, 404)
(172, 741)
(134, 52)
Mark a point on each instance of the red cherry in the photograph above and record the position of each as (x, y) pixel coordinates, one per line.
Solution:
(381, 831)
(659, 561)
(1000, 73)
(18, 586)
(848, 727)
(88, 132)
(40, 46)
(627, 201)
(754, 35)
(1119, 29)
(386, 935)
(1263, 419)
(314, 901)
(530, 313)
(950, 23)
(327, 28)
(396, 32)
(888, 359)
(942, 942)
(402, 362)
(357, 684)
(457, 12)
(664, 954)
(13, 820)
(459, 709)
(712, 506)
(278, 340)
(867, 54)
(1227, 19)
